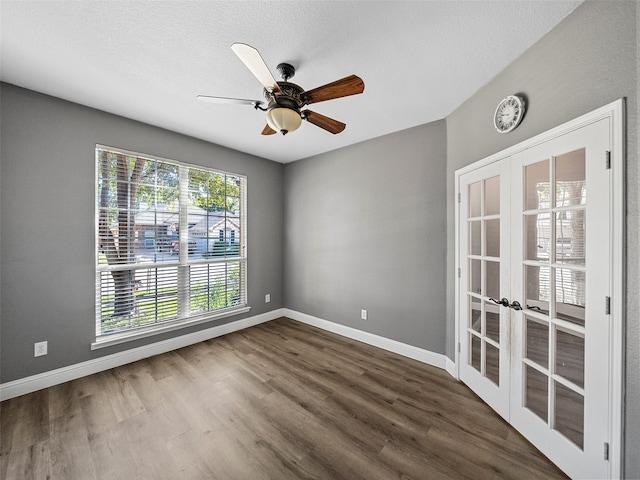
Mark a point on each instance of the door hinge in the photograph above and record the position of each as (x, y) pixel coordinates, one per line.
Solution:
(459, 197)
(607, 305)
(459, 272)
(606, 450)
(458, 347)
(608, 160)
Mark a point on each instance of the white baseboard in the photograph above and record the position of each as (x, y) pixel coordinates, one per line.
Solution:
(424, 356)
(451, 368)
(54, 377)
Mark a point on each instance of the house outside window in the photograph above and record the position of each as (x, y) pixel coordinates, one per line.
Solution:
(159, 261)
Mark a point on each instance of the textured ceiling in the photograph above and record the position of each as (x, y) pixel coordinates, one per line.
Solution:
(147, 60)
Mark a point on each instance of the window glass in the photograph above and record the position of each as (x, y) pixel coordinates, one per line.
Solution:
(169, 241)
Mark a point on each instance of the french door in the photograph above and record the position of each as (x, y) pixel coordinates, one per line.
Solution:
(485, 365)
(535, 279)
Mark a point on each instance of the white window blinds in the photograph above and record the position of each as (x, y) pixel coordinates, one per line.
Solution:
(170, 240)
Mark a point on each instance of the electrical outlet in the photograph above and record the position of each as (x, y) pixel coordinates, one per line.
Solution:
(363, 314)
(267, 298)
(39, 349)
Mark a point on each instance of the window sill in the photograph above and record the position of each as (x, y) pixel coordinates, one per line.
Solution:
(123, 337)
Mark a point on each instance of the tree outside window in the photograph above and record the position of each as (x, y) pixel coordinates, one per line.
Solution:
(160, 254)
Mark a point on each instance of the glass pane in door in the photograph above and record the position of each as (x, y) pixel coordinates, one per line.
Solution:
(536, 392)
(492, 365)
(537, 188)
(571, 230)
(570, 356)
(537, 241)
(537, 344)
(492, 196)
(492, 237)
(475, 276)
(570, 300)
(492, 321)
(475, 199)
(475, 315)
(569, 414)
(570, 179)
(476, 352)
(492, 279)
(475, 237)
(537, 288)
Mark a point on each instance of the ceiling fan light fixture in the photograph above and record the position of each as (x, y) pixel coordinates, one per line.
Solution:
(283, 119)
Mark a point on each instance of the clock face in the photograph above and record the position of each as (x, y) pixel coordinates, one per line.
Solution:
(508, 114)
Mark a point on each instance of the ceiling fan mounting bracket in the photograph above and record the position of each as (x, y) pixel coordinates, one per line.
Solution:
(286, 71)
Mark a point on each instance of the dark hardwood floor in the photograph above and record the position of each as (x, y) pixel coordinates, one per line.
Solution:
(279, 401)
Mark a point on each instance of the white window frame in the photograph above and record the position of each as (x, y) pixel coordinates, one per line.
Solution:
(185, 318)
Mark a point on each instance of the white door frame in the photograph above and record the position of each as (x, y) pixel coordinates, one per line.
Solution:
(615, 111)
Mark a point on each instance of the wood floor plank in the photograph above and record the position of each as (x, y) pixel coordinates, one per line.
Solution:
(278, 401)
(189, 406)
(9, 411)
(124, 401)
(416, 465)
(31, 424)
(147, 438)
(66, 397)
(97, 413)
(70, 451)
(334, 449)
(31, 463)
(112, 443)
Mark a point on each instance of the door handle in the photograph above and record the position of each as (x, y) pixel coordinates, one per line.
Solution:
(516, 305)
(504, 301)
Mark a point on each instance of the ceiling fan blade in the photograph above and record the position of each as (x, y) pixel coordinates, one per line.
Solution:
(236, 101)
(351, 85)
(326, 123)
(254, 62)
(268, 130)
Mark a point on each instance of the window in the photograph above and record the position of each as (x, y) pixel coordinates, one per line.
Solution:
(163, 252)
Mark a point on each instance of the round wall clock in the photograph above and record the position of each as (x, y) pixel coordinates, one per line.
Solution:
(508, 114)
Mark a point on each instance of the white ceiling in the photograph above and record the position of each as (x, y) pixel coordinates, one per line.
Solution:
(147, 60)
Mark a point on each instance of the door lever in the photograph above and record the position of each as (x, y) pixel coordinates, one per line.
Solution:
(504, 302)
(516, 305)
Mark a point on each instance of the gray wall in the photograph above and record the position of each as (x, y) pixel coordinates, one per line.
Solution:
(48, 224)
(365, 229)
(368, 226)
(587, 61)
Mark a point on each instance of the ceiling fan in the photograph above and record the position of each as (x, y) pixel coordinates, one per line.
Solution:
(284, 100)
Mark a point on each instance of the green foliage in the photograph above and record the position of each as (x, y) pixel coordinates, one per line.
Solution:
(161, 304)
(223, 292)
(158, 185)
(214, 192)
(223, 249)
(130, 185)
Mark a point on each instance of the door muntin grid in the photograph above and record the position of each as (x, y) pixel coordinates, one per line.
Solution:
(483, 330)
(554, 270)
